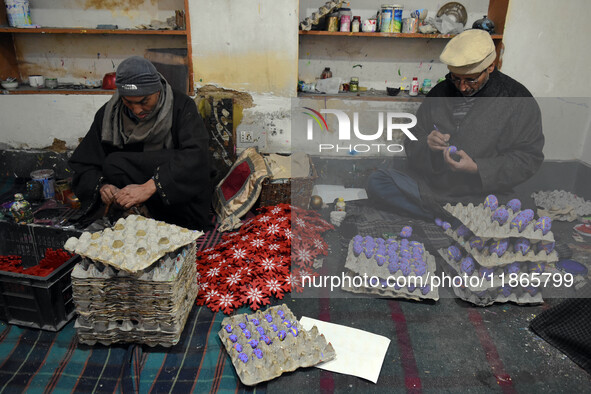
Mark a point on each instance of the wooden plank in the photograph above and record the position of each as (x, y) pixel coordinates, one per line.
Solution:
(497, 12)
(49, 30)
(381, 35)
(189, 47)
(3, 17)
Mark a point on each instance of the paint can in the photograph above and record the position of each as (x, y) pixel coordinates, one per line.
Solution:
(18, 12)
(396, 18)
(46, 178)
(410, 25)
(386, 19)
(333, 23)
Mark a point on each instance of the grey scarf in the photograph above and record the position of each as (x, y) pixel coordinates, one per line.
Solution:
(154, 131)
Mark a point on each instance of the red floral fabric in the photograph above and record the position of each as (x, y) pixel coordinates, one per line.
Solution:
(53, 260)
(253, 264)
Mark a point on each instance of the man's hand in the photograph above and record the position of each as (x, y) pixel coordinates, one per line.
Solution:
(108, 193)
(466, 164)
(132, 195)
(437, 141)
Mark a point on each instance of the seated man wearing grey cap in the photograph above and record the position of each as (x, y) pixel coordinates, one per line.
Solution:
(147, 145)
(492, 120)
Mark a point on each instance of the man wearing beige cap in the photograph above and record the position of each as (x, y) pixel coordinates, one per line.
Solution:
(492, 120)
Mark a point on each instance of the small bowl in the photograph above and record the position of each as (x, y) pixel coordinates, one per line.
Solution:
(9, 85)
(393, 91)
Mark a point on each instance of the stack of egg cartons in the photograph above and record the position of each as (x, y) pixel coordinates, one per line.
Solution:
(502, 253)
(136, 282)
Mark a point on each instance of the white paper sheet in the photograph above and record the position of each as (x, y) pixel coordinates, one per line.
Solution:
(359, 353)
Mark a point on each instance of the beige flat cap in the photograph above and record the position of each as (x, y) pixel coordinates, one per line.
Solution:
(470, 52)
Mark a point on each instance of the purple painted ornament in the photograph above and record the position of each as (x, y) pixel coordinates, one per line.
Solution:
(425, 289)
(463, 231)
(452, 149)
(531, 290)
(357, 249)
(491, 202)
(486, 272)
(454, 253)
(406, 232)
(521, 220)
(255, 322)
(546, 246)
(499, 247)
(281, 335)
(514, 205)
(544, 223)
(445, 226)
(274, 327)
(246, 334)
(467, 265)
(233, 338)
(506, 290)
(438, 222)
(228, 328)
(522, 245)
(268, 318)
(500, 215)
(242, 325)
(513, 268)
(243, 357)
(253, 343)
(261, 330)
(237, 347)
(420, 269)
(476, 243)
(411, 287)
(266, 339)
(537, 268)
(405, 267)
(258, 353)
(572, 267)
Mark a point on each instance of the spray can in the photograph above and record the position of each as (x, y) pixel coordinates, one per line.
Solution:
(414, 87)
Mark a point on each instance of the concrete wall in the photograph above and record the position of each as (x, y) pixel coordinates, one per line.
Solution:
(545, 49)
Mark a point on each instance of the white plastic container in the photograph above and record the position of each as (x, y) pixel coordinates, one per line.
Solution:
(414, 87)
(18, 12)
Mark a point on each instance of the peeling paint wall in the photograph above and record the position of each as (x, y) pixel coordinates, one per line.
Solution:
(248, 45)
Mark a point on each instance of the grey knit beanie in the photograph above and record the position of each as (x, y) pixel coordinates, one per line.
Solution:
(136, 76)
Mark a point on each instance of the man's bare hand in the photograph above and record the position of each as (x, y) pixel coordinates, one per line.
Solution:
(108, 193)
(132, 195)
(437, 141)
(466, 164)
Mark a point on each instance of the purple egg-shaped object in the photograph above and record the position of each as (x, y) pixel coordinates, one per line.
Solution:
(357, 249)
(405, 267)
(499, 247)
(368, 239)
(476, 243)
(513, 268)
(486, 272)
(268, 318)
(374, 281)
(438, 222)
(380, 259)
(454, 253)
(505, 290)
(572, 267)
(445, 226)
(514, 205)
(528, 213)
(261, 330)
(233, 338)
(544, 223)
(253, 343)
(243, 357)
(500, 215)
(392, 248)
(425, 289)
(258, 353)
(491, 201)
(404, 243)
(420, 268)
(281, 335)
(237, 347)
(274, 327)
(228, 328)
(242, 325)
(380, 242)
(406, 232)
(368, 251)
(281, 313)
(452, 149)
(463, 231)
(246, 334)
(255, 322)
(467, 265)
(520, 221)
(266, 339)
(522, 245)
(406, 254)
(411, 286)
(546, 246)
(536, 267)
(393, 267)
(294, 331)
(531, 290)
(358, 238)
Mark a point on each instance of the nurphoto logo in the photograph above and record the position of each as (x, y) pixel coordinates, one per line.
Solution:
(392, 120)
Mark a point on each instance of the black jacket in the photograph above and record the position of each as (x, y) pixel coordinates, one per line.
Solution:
(502, 133)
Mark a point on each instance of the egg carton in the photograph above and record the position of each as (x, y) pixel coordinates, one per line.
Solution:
(478, 220)
(492, 296)
(485, 259)
(475, 283)
(562, 203)
(388, 291)
(265, 344)
(398, 285)
(324, 10)
(133, 244)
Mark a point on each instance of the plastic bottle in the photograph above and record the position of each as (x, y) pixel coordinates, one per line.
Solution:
(354, 84)
(345, 19)
(426, 86)
(340, 204)
(414, 87)
(326, 73)
(21, 210)
(355, 24)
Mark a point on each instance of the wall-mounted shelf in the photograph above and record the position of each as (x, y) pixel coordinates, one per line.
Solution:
(383, 35)
(60, 30)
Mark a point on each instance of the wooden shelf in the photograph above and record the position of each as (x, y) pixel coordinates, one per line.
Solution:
(370, 95)
(383, 35)
(25, 89)
(60, 30)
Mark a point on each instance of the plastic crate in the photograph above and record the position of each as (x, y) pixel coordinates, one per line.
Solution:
(32, 301)
(295, 191)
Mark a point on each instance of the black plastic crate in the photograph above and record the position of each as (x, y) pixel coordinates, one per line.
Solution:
(33, 301)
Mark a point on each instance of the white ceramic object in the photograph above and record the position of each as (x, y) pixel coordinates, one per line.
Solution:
(9, 85)
(36, 81)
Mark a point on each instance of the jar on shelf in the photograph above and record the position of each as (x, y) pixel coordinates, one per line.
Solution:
(354, 84)
(414, 87)
(426, 86)
(355, 24)
(326, 73)
(345, 16)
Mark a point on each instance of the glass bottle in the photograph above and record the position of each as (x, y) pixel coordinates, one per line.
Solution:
(21, 210)
(354, 84)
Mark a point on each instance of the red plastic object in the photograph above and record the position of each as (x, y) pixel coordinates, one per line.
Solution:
(109, 81)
